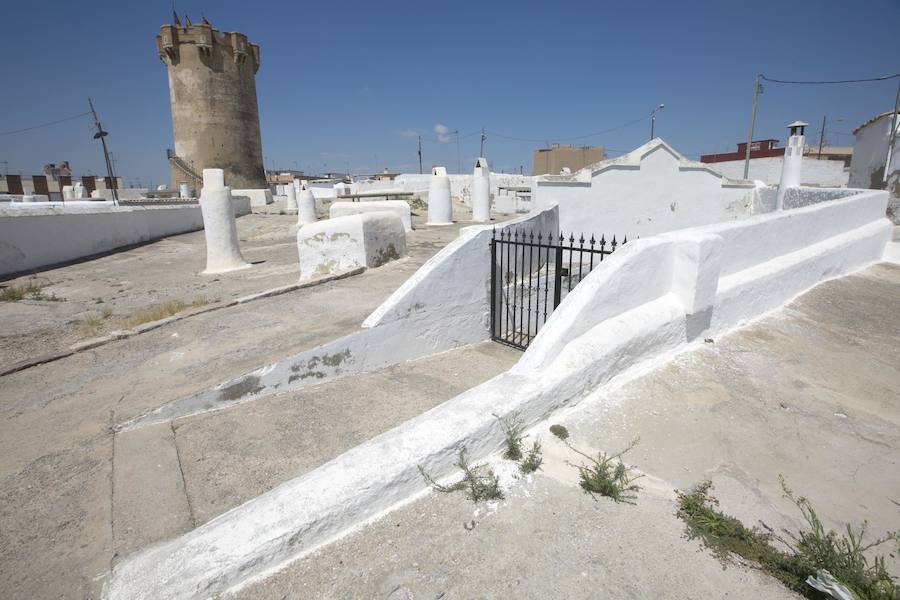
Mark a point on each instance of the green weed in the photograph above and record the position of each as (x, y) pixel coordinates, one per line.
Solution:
(478, 481)
(608, 476)
(810, 550)
(533, 459)
(512, 429)
(560, 432)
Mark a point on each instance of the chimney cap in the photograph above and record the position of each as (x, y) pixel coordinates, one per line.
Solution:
(798, 124)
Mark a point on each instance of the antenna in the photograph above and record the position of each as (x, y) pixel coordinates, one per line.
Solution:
(420, 155)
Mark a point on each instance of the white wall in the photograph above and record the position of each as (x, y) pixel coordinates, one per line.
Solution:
(31, 239)
(830, 173)
(459, 183)
(650, 190)
(870, 154)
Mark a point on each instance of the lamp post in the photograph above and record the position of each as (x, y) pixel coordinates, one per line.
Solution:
(653, 119)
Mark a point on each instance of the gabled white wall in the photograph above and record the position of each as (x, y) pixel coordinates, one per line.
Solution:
(650, 190)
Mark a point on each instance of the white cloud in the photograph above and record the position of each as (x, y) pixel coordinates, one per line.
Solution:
(409, 133)
(443, 132)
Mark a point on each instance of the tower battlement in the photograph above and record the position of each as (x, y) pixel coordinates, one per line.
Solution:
(171, 38)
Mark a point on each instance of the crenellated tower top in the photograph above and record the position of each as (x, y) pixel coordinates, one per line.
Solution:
(204, 37)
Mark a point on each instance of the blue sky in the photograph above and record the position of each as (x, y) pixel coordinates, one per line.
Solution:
(352, 82)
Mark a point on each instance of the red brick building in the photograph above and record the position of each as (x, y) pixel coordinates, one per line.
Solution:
(758, 149)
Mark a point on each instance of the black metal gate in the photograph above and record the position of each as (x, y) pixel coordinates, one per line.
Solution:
(530, 275)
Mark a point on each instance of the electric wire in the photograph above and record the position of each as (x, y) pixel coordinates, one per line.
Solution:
(570, 138)
(73, 117)
(882, 78)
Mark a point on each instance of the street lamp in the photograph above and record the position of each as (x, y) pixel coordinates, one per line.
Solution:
(653, 119)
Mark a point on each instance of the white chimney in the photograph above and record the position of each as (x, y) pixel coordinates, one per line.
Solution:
(793, 159)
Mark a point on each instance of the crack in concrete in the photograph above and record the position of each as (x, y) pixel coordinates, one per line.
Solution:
(112, 487)
(187, 497)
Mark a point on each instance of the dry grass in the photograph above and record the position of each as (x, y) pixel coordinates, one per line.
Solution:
(161, 311)
(30, 290)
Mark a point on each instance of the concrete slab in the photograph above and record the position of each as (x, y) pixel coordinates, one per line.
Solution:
(546, 540)
(149, 501)
(233, 455)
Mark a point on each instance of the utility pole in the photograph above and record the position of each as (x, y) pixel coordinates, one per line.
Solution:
(101, 135)
(822, 138)
(458, 161)
(481, 152)
(420, 155)
(893, 137)
(752, 125)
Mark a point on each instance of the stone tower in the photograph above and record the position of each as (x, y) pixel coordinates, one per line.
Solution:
(215, 118)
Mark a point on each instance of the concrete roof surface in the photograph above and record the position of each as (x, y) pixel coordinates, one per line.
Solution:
(809, 392)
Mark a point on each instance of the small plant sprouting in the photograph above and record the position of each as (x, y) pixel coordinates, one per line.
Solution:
(512, 429)
(533, 459)
(810, 552)
(479, 481)
(529, 461)
(608, 476)
(560, 432)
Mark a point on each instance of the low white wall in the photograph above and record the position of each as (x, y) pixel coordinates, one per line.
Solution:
(650, 190)
(40, 237)
(831, 173)
(459, 183)
(257, 197)
(664, 293)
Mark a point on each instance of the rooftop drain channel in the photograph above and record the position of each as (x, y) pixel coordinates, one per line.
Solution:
(531, 274)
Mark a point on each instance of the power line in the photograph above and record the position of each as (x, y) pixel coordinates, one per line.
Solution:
(84, 114)
(883, 78)
(565, 139)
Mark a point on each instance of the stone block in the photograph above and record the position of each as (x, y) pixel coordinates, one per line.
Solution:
(397, 207)
(344, 243)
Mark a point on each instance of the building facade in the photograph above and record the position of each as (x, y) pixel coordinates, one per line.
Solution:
(870, 153)
(552, 160)
(52, 187)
